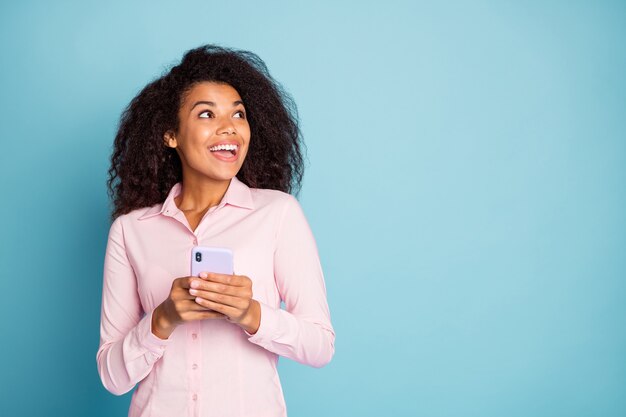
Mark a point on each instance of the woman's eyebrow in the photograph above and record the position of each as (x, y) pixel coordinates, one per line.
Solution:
(210, 103)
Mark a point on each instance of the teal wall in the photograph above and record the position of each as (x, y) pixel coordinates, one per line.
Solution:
(466, 186)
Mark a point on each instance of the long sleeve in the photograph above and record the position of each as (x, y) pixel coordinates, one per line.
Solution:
(128, 348)
(303, 332)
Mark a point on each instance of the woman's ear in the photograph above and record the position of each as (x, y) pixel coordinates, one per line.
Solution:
(169, 140)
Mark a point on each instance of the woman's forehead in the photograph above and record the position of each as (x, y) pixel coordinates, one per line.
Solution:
(212, 91)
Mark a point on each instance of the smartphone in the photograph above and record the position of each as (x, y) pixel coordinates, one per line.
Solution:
(211, 259)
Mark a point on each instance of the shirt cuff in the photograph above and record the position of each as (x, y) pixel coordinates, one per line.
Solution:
(268, 325)
(148, 339)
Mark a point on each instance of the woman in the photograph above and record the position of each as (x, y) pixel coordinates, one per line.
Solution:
(207, 155)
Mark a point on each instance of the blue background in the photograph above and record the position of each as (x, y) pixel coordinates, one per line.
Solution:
(465, 186)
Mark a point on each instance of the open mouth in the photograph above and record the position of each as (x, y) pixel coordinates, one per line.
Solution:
(226, 152)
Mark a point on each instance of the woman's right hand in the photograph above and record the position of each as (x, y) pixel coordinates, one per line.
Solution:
(179, 307)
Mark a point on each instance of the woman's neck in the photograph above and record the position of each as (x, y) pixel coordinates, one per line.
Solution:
(198, 195)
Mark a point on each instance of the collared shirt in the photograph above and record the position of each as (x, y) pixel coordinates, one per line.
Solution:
(212, 367)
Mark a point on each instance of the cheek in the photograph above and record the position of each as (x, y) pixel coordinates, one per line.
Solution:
(202, 132)
(248, 141)
(247, 134)
(197, 139)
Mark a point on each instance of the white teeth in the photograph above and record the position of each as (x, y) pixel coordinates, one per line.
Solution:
(224, 148)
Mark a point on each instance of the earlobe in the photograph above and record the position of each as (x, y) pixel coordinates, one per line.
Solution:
(169, 140)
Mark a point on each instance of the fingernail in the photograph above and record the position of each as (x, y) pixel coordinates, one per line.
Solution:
(203, 275)
(194, 284)
(193, 292)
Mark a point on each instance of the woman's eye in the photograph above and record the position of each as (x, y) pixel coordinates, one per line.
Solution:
(208, 114)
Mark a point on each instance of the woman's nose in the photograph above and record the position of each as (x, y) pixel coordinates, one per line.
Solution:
(226, 127)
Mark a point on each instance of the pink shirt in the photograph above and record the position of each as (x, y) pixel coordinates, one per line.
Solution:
(212, 367)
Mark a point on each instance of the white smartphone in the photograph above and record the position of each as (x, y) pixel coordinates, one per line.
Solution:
(211, 259)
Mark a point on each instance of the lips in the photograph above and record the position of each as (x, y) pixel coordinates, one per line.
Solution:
(226, 151)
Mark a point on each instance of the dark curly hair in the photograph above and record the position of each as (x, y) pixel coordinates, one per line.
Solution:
(143, 169)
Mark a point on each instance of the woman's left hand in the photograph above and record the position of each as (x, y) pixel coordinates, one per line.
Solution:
(230, 295)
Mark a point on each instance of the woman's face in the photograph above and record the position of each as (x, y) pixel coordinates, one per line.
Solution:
(214, 134)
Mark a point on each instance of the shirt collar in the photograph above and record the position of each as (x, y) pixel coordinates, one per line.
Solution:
(238, 194)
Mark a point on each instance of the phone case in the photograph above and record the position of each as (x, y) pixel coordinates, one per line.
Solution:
(210, 259)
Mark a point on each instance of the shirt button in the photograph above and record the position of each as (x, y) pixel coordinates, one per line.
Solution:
(194, 366)
(194, 336)
(194, 397)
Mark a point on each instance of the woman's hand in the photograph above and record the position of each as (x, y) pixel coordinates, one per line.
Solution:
(230, 295)
(179, 307)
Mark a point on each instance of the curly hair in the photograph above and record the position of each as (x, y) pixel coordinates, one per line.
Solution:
(143, 169)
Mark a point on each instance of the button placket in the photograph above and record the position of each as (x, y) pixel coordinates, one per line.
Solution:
(194, 362)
